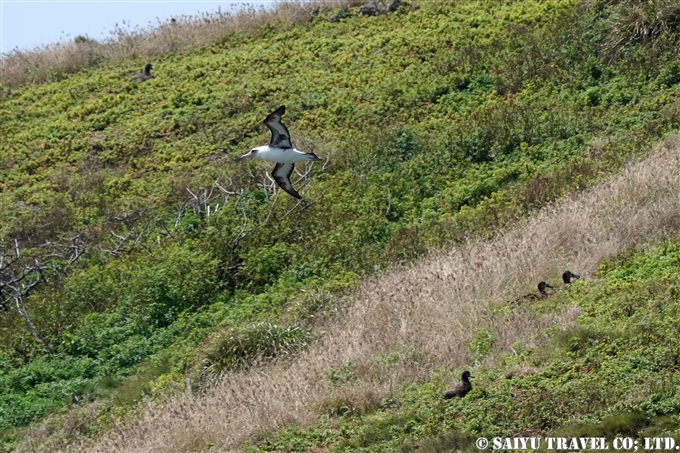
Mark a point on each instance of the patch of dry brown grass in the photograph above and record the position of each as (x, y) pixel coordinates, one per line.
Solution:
(54, 61)
(427, 312)
(56, 432)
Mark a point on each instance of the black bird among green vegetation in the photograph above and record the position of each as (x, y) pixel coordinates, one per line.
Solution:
(567, 276)
(145, 74)
(461, 389)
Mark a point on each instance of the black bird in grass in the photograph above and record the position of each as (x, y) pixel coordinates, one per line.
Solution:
(567, 276)
(461, 389)
(542, 287)
(281, 151)
(144, 75)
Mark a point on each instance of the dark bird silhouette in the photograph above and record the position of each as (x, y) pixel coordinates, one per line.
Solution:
(145, 74)
(567, 276)
(461, 389)
(542, 287)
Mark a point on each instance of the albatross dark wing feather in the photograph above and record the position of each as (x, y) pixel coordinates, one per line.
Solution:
(281, 175)
(280, 135)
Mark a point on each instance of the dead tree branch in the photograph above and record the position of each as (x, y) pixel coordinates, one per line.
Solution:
(122, 244)
(21, 272)
(207, 200)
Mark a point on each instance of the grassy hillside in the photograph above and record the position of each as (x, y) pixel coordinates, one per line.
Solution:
(613, 373)
(439, 123)
(408, 333)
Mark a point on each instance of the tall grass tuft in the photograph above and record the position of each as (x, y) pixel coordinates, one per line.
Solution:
(641, 21)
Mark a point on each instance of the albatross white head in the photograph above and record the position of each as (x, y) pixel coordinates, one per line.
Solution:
(252, 152)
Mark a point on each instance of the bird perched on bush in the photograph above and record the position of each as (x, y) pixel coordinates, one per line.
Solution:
(461, 389)
(145, 74)
(281, 151)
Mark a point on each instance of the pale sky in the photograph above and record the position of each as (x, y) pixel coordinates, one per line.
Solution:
(27, 24)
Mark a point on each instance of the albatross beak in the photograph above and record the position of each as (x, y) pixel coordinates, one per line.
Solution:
(250, 154)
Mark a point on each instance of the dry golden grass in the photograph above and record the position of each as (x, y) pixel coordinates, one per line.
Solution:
(428, 312)
(54, 61)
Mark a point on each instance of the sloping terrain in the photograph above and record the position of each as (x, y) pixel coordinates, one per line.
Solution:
(152, 255)
(411, 324)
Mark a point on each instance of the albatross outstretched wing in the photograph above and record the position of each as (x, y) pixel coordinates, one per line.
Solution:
(281, 175)
(280, 135)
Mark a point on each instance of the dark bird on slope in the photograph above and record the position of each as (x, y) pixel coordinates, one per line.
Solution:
(542, 286)
(542, 292)
(567, 276)
(145, 74)
(461, 389)
(281, 151)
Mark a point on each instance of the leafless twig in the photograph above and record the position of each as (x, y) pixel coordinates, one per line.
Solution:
(203, 198)
(21, 273)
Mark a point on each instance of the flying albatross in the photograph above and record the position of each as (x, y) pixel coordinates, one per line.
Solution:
(281, 151)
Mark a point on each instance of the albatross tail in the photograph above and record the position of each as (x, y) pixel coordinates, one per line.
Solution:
(313, 157)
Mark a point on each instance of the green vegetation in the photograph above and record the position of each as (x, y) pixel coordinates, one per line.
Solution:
(440, 122)
(614, 374)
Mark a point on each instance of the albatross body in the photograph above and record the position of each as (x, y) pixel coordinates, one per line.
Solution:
(280, 155)
(145, 74)
(461, 389)
(281, 151)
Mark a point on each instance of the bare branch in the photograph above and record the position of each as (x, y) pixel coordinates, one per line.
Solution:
(192, 194)
(129, 219)
(203, 198)
(301, 201)
(18, 277)
(118, 246)
(241, 233)
(70, 251)
(225, 191)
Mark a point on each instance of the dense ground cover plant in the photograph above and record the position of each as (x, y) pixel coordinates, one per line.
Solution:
(496, 110)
